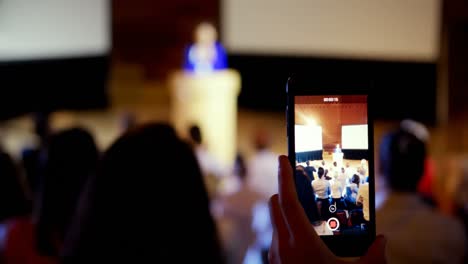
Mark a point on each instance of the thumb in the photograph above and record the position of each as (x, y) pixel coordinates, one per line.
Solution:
(376, 253)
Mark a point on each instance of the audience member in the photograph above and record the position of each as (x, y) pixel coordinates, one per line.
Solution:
(363, 170)
(14, 197)
(211, 169)
(71, 157)
(343, 179)
(349, 171)
(352, 191)
(334, 170)
(322, 192)
(416, 233)
(302, 171)
(425, 185)
(306, 195)
(137, 211)
(262, 167)
(337, 194)
(310, 170)
(235, 216)
(31, 155)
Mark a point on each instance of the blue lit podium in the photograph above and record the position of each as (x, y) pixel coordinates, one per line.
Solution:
(208, 100)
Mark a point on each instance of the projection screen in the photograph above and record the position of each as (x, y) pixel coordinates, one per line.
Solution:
(48, 29)
(383, 29)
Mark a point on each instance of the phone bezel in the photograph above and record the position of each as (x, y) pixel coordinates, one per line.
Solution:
(350, 245)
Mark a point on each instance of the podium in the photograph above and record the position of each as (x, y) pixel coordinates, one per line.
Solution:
(210, 101)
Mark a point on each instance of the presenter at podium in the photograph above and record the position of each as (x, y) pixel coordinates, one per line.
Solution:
(206, 54)
(338, 156)
(205, 93)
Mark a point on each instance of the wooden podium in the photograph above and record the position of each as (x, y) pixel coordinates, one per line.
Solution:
(210, 101)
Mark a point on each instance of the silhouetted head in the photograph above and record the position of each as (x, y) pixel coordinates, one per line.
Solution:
(138, 206)
(13, 199)
(356, 179)
(335, 164)
(401, 160)
(308, 163)
(195, 135)
(42, 125)
(71, 158)
(320, 172)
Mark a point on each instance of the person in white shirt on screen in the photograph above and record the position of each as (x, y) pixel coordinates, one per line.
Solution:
(337, 194)
(342, 179)
(352, 191)
(363, 168)
(334, 170)
(336, 189)
(321, 186)
(322, 191)
(349, 171)
(363, 199)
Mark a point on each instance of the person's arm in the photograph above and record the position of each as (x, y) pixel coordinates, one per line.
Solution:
(294, 238)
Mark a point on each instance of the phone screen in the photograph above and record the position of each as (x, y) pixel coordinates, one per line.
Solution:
(332, 162)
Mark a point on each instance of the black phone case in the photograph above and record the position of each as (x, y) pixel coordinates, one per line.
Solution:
(341, 245)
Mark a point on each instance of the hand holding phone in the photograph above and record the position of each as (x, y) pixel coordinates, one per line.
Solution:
(330, 146)
(294, 239)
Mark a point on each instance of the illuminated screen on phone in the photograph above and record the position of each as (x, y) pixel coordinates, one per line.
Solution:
(332, 173)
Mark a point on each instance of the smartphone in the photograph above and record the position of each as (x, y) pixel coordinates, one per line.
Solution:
(330, 145)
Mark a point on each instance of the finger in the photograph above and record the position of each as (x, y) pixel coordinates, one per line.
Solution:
(376, 253)
(293, 212)
(277, 220)
(273, 253)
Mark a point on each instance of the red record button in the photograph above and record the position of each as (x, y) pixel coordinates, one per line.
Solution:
(333, 224)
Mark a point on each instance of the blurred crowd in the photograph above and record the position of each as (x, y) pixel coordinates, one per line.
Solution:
(152, 195)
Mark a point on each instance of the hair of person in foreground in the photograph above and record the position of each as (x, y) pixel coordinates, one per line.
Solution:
(147, 202)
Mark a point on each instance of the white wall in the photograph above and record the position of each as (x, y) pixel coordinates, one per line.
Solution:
(38, 29)
(381, 29)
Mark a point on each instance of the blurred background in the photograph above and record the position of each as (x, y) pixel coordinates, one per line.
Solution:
(101, 63)
(107, 57)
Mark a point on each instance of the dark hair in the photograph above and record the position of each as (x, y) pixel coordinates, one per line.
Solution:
(320, 172)
(356, 179)
(13, 199)
(71, 157)
(137, 207)
(240, 167)
(42, 125)
(402, 157)
(300, 170)
(195, 134)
